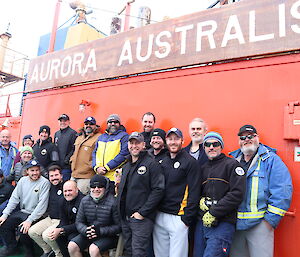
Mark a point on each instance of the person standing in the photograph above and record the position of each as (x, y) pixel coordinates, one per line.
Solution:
(44, 150)
(178, 207)
(64, 139)
(268, 196)
(8, 152)
(111, 148)
(222, 190)
(81, 160)
(148, 123)
(141, 176)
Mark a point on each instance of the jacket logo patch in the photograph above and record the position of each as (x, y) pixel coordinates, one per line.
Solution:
(176, 165)
(44, 152)
(86, 148)
(59, 192)
(240, 171)
(36, 190)
(160, 161)
(142, 170)
(74, 210)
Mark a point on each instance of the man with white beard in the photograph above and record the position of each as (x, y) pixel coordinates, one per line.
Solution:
(268, 196)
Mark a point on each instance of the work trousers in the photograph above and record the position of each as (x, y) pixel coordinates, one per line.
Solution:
(83, 184)
(213, 241)
(39, 233)
(136, 234)
(8, 230)
(170, 236)
(257, 241)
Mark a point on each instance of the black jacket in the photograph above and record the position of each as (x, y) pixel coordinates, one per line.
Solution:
(67, 213)
(147, 139)
(55, 196)
(202, 155)
(64, 139)
(5, 191)
(159, 156)
(103, 215)
(46, 153)
(182, 190)
(141, 187)
(224, 181)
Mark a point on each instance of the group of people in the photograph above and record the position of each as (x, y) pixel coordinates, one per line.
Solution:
(81, 191)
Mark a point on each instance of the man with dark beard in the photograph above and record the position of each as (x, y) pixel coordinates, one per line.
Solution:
(81, 160)
(111, 148)
(268, 196)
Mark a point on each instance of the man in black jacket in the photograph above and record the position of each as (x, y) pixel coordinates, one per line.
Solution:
(140, 191)
(40, 232)
(97, 221)
(64, 139)
(158, 144)
(68, 208)
(44, 150)
(6, 190)
(222, 189)
(179, 205)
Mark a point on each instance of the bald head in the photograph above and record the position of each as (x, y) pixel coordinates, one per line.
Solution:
(70, 190)
(5, 137)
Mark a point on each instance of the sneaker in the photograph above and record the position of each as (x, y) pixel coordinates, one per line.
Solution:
(7, 251)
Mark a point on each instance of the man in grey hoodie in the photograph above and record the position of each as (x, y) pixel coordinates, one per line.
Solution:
(32, 194)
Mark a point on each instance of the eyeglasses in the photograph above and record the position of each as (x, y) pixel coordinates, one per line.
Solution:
(247, 137)
(113, 121)
(214, 144)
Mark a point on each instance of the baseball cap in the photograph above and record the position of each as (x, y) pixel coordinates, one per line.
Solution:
(44, 128)
(63, 117)
(136, 135)
(176, 131)
(98, 181)
(247, 128)
(90, 119)
(32, 163)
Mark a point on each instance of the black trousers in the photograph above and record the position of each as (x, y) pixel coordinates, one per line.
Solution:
(8, 231)
(63, 241)
(136, 235)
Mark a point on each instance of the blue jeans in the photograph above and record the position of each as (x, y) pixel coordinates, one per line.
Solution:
(214, 241)
(66, 174)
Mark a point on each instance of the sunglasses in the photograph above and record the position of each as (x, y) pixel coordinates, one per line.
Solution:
(214, 144)
(247, 137)
(113, 121)
(96, 186)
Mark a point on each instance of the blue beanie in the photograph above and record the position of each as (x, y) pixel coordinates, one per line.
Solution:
(214, 135)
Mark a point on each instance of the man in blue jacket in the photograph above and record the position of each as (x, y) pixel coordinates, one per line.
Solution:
(111, 148)
(8, 152)
(268, 196)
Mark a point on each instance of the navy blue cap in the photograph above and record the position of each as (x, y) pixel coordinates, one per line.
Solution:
(32, 163)
(176, 131)
(64, 117)
(90, 119)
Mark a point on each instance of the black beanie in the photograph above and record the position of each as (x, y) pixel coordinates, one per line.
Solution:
(158, 132)
(45, 128)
